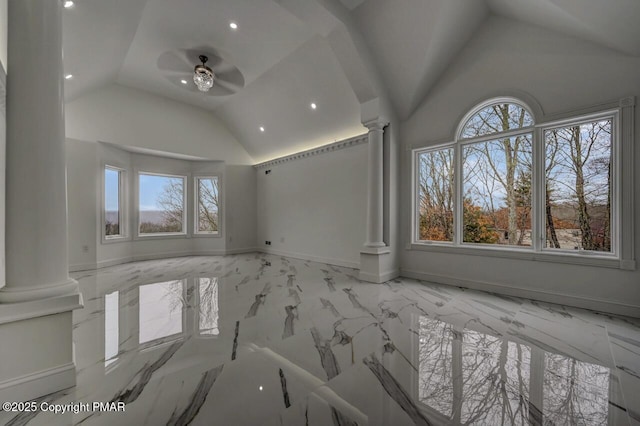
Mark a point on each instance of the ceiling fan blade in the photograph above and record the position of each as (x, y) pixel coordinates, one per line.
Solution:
(233, 78)
(228, 88)
(171, 61)
(220, 89)
(222, 67)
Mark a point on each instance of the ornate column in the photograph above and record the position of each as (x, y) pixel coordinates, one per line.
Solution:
(375, 255)
(375, 213)
(36, 303)
(36, 209)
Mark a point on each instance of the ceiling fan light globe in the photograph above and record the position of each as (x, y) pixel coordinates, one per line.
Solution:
(203, 78)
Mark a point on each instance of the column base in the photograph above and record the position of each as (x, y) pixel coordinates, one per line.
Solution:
(376, 265)
(9, 294)
(37, 347)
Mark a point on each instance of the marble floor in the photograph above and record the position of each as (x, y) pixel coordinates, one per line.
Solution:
(257, 339)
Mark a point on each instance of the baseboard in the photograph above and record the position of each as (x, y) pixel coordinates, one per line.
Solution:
(34, 385)
(545, 296)
(156, 256)
(303, 256)
(242, 250)
(375, 278)
(164, 255)
(83, 267)
(113, 262)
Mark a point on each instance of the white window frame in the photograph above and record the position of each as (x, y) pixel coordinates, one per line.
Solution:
(123, 204)
(541, 183)
(196, 199)
(185, 209)
(622, 193)
(416, 185)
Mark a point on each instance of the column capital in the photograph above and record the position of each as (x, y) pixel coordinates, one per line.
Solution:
(376, 124)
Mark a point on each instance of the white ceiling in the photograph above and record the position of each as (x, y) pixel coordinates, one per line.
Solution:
(293, 52)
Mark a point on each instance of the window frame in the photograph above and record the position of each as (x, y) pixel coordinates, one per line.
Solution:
(622, 217)
(614, 116)
(185, 209)
(123, 205)
(459, 185)
(196, 199)
(416, 185)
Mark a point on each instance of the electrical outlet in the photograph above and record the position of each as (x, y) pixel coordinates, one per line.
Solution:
(85, 249)
(268, 243)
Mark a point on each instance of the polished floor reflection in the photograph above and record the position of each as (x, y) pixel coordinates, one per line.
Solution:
(264, 340)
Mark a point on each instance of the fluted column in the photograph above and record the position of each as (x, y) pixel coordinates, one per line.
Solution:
(36, 200)
(375, 211)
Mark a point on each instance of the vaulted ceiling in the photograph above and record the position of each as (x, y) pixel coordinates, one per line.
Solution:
(290, 53)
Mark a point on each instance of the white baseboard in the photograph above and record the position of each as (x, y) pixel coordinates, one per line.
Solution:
(242, 250)
(545, 296)
(375, 278)
(34, 385)
(83, 267)
(138, 258)
(164, 255)
(303, 256)
(113, 262)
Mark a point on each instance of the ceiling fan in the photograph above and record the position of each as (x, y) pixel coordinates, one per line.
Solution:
(200, 70)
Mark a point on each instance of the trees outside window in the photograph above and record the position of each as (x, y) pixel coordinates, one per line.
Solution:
(578, 186)
(494, 174)
(207, 210)
(435, 195)
(489, 188)
(161, 204)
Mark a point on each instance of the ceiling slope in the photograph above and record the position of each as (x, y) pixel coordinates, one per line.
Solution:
(413, 41)
(611, 23)
(96, 37)
(280, 102)
(337, 53)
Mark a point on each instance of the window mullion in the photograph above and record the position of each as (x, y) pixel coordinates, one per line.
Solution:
(538, 188)
(458, 204)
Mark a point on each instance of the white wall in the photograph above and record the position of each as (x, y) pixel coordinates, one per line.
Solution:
(82, 212)
(315, 207)
(132, 117)
(563, 74)
(240, 198)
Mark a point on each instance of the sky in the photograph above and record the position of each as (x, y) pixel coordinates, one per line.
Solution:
(151, 186)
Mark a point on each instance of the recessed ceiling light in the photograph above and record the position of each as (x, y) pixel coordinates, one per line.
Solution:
(68, 76)
(261, 129)
(313, 105)
(183, 81)
(233, 25)
(68, 4)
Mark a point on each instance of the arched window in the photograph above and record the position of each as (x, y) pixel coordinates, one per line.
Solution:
(496, 153)
(507, 181)
(497, 117)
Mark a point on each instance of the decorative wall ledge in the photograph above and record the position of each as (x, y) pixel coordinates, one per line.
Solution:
(346, 143)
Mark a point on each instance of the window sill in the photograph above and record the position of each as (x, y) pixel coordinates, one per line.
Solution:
(581, 258)
(159, 235)
(207, 235)
(118, 239)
